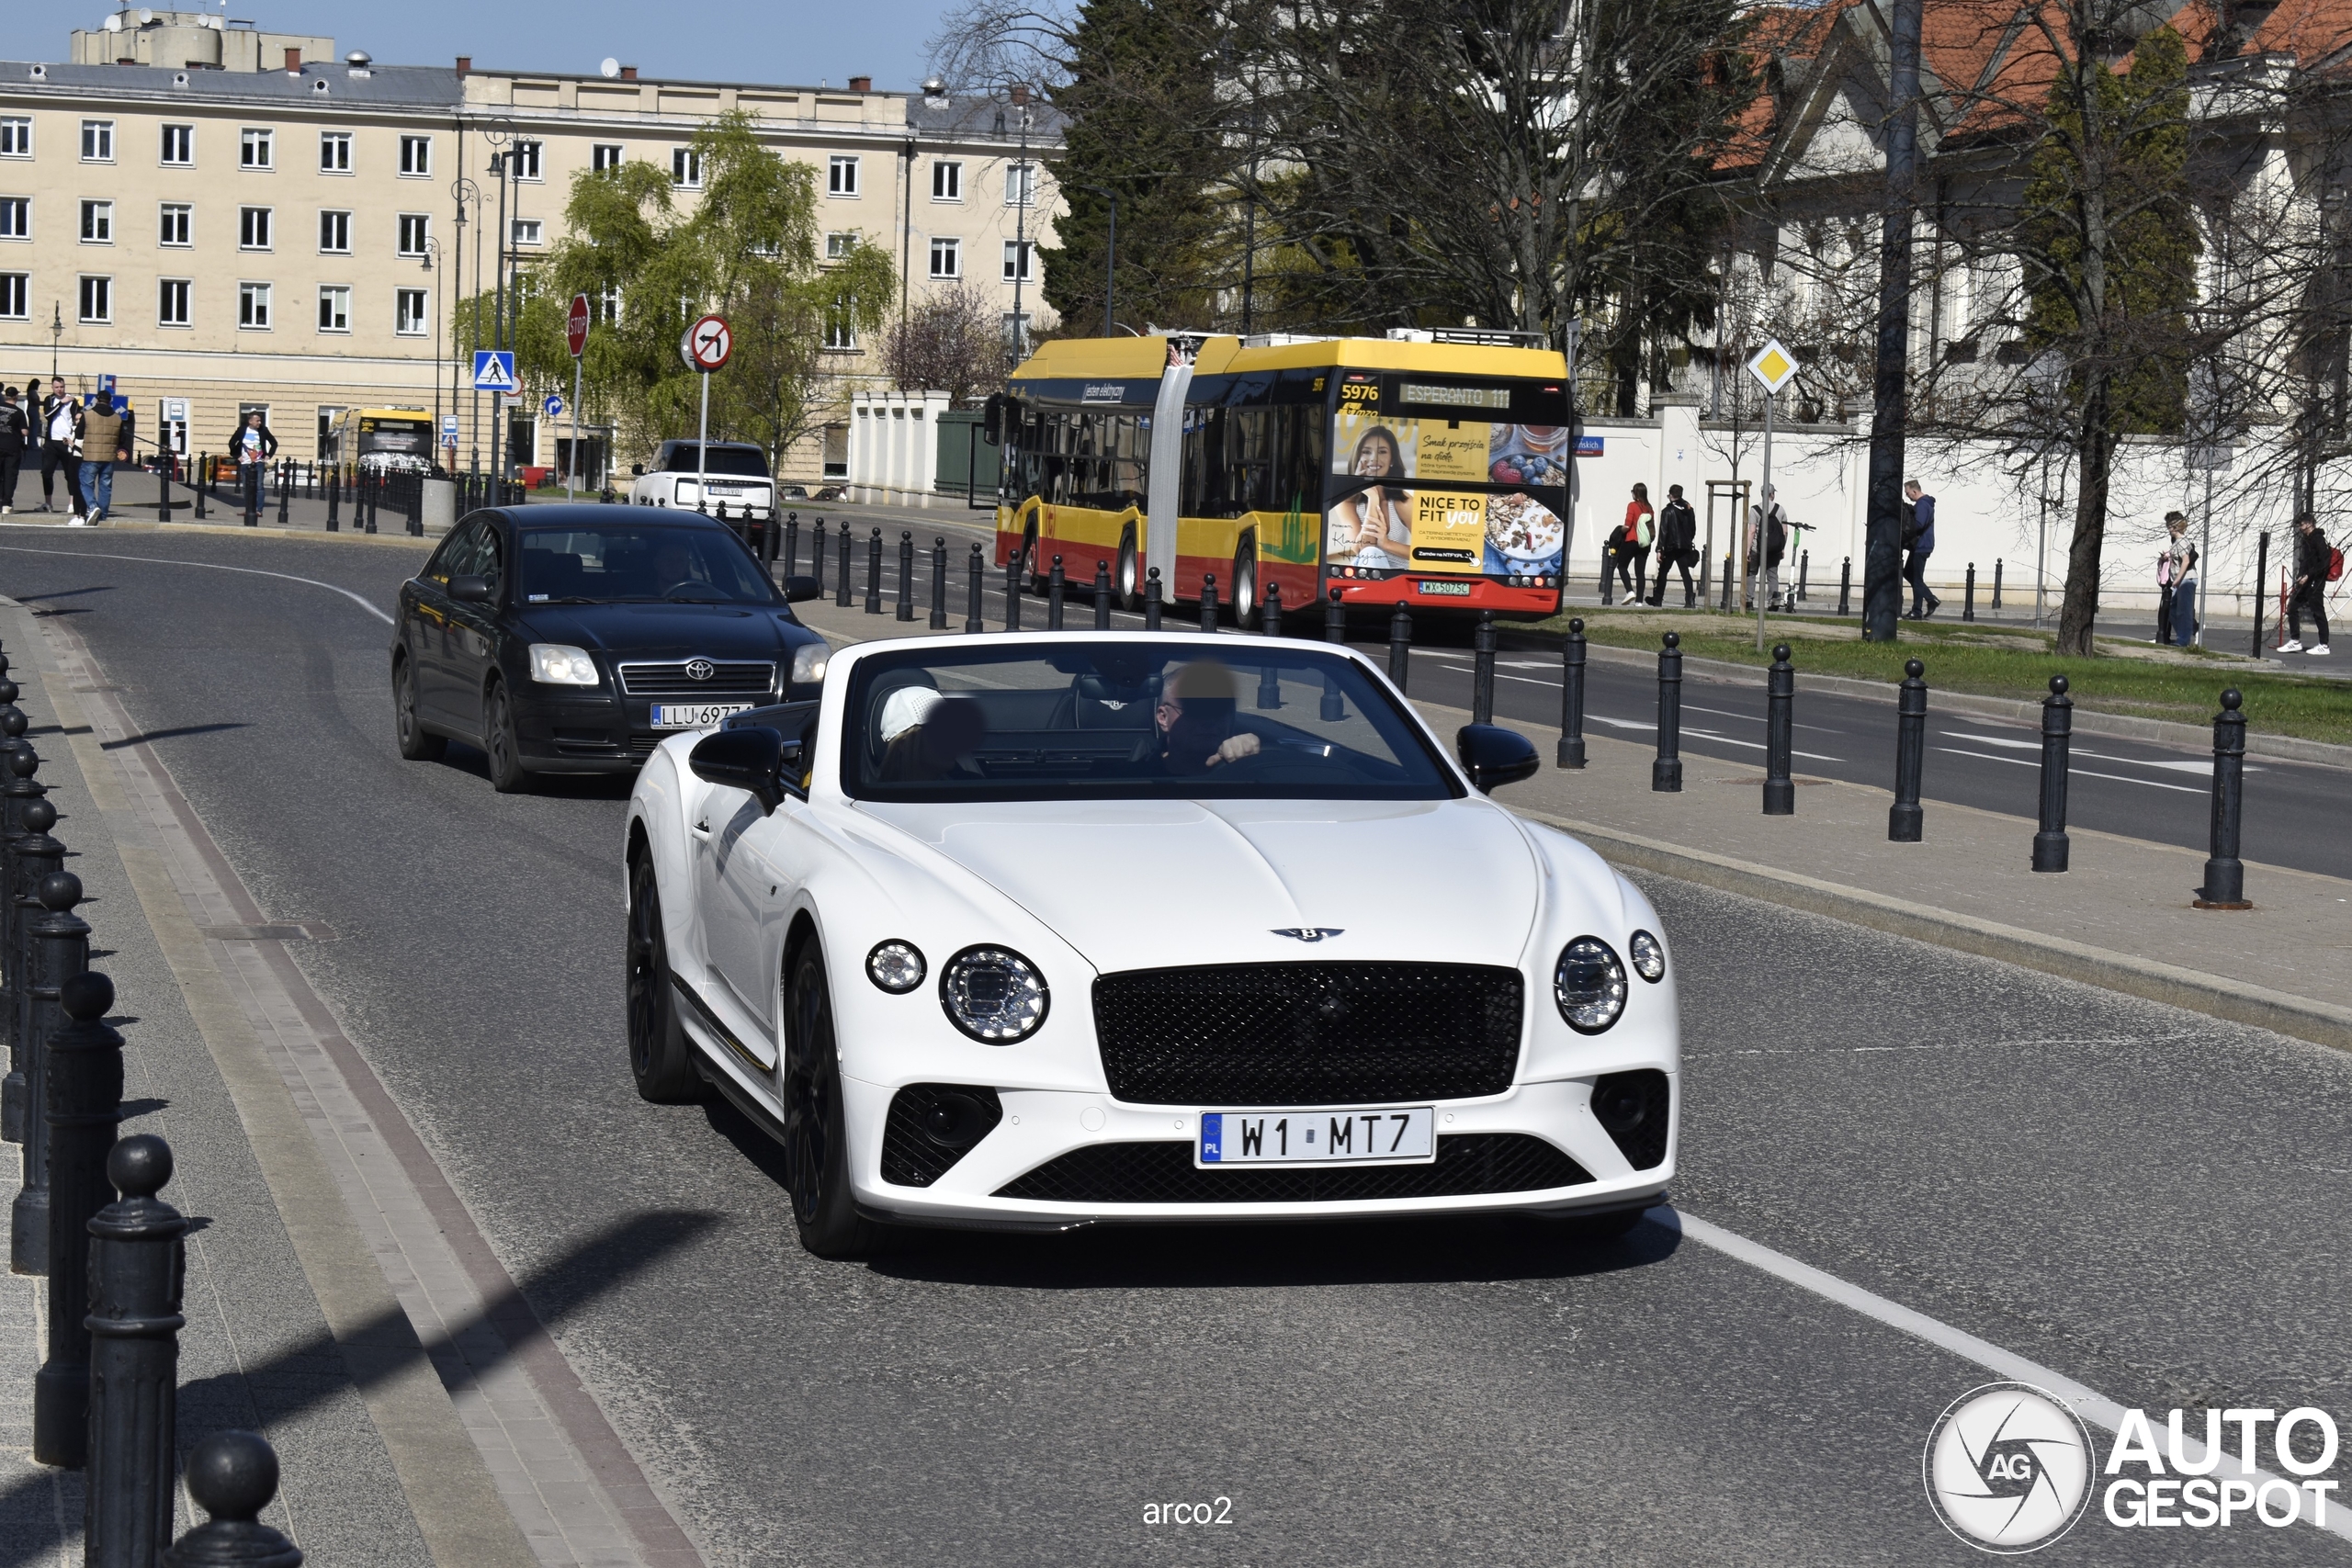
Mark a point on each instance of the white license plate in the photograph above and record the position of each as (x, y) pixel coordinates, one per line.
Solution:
(1447, 590)
(1398, 1135)
(694, 715)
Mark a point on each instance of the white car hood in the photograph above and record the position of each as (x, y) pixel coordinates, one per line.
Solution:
(1158, 884)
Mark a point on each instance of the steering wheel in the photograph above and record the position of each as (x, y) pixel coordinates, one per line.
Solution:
(672, 591)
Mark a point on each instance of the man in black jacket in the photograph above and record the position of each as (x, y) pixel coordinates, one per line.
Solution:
(2312, 559)
(1677, 534)
(57, 420)
(16, 432)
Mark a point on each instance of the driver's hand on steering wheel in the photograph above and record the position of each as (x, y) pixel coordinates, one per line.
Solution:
(1234, 748)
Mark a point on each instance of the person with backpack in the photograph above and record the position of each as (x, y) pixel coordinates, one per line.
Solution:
(2316, 566)
(106, 440)
(1768, 524)
(2177, 585)
(1633, 553)
(1678, 545)
(15, 437)
(1919, 540)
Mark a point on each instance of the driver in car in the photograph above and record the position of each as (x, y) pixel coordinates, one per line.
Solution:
(926, 737)
(1193, 726)
(673, 564)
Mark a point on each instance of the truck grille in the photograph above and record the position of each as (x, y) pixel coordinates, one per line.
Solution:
(1163, 1172)
(728, 678)
(1275, 1034)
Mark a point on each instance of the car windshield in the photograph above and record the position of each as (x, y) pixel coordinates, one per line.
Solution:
(723, 460)
(616, 561)
(1130, 717)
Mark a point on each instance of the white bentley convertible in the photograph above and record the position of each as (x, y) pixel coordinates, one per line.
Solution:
(1033, 932)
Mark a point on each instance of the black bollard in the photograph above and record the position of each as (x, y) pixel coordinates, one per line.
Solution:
(84, 1104)
(938, 582)
(1666, 769)
(1726, 604)
(1804, 566)
(1152, 606)
(1335, 619)
(2261, 577)
(2224, 873)
(1572, 653)
(1335, 631)
(1780, 704)
(845, 597)
(1269, 675)
(36, 854)
(2057, 732)
(817, 555)
(1101, 595)
(1997, 584)
(1208, 602)
(1608, 575)
(1056, 591)
(1904, 817)
(874, 574)
(1845, 587)
(13, 798)
(335, 496)
(905, 575)
(60, 949)
(373, 489)
(1400, 646)
(1482, 669)
(973, 616)
(286, 494)
(164, 488)
(250, 485)
(791, 550)
(136, 1268)
(1270, 622)
(232, 1476)
(1968, 595)
(1013, 595)
(203, 474)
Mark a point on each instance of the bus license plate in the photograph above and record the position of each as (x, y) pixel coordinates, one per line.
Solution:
(1401, 1135)
(1447, 590)
(694, 715)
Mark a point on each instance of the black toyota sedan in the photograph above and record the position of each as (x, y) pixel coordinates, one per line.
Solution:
(572, 638)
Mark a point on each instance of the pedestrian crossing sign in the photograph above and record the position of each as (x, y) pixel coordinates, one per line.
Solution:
(494, 370)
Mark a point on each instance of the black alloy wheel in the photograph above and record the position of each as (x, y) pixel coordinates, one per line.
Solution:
(1244, 595)
(501, 745)
(659, 1058)
(1128, 577)
(816, 1129)
(416, 745)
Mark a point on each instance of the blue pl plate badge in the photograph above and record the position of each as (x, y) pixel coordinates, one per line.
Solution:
(1212, 1137)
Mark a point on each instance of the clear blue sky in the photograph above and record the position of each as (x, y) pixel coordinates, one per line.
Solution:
(796, 41)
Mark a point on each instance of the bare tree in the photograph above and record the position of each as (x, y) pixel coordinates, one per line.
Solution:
(952, 343)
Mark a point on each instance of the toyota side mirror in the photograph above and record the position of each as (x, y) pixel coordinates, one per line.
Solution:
(469, 588)
(751, 758)
(1494, 756)
(799, 587)
(637, 470)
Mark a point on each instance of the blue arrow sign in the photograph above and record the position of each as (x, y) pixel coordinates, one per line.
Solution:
(554, 405)
(494, 370)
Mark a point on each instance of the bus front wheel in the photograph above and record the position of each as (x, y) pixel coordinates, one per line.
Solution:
(1130, 589)
(1244, 587)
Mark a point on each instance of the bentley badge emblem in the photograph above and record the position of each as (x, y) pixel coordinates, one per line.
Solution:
(1310, 933)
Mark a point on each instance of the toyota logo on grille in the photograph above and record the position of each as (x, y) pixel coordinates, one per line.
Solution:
(700, 669)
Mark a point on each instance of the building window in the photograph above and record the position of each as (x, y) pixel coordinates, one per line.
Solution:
(15, 296)
(608, 304)
(257, 149)
(252, 228)
(527, 231)
(840, 332)
(946, 258)
(527, 161)
(947, 181)
(1018, 254)
(416, 156)
(98, 301)
(407, 312)
(97, 141)
(685, 168)
(328, 414)
(603, 155)
(98, 223)
(840, 244)
(335, 151)
(253, 306)
(1021, 185)
(171, 302)
(179, 145)
(16, 136)
(15, 217)
(415, 227)
(841, 176)
(334, 308)
(176, 220)
(334, 232)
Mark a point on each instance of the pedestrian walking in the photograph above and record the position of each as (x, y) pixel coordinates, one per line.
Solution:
(1770, 520)
(57, 413)
(2177, 585)
(2316, 565)
(1634, 553)
(1919, 540)
(16, 438)
(106, 441)
(256, 445)
(1678, 545)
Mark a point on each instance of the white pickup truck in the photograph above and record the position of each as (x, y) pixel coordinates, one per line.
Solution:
(736, 473)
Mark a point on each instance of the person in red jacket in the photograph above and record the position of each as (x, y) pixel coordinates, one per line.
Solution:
(1633, 555)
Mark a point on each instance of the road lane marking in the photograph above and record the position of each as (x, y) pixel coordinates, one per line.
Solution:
(209, 566)
(2174, 766)
(2087, 1402)
(2081, 773)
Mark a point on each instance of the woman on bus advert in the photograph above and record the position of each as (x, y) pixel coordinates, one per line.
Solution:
(1374, 527)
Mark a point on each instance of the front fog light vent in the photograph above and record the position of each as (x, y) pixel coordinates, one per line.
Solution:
(1633, 1110)
(933, 1125)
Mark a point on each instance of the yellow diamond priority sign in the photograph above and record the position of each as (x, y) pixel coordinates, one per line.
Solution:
(1773, 366)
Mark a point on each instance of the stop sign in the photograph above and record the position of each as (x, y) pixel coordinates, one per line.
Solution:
(575, 326)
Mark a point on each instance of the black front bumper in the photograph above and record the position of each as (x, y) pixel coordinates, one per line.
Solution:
(593, 732)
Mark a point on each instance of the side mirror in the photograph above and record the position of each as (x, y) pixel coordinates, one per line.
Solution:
(751, 760)
(992, 420)
(468, 589)
(637, 470)
(1494, 756)
(799, 587)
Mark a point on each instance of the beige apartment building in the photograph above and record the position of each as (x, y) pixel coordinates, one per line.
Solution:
(222, 219)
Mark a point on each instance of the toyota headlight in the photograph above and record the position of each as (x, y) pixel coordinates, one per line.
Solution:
(809, 662)
(1589, 985)
(1649, 956)
(993, 994)
(559, 665)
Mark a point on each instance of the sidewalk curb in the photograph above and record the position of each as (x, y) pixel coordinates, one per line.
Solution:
(270, 531)
(2301, 1016)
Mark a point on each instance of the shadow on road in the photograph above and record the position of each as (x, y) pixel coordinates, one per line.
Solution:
(141, 739)
(469, 759)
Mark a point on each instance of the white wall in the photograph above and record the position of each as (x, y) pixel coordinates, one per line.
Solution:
(894, 445)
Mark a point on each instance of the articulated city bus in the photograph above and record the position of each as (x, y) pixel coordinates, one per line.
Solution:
(1428, 469)
(394, 440)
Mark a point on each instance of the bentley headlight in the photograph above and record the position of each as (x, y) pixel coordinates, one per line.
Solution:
(1589, 985)
(1649, 956)
(809, 662)
(559, 665)
(896, 966)
(993, 994)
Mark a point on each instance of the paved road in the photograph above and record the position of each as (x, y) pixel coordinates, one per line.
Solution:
(2142, 1199)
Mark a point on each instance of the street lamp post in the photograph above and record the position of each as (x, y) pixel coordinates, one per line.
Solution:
(1021, 220)
(463, 190)
(56, 331)
(1110, 259)
(432, 264)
